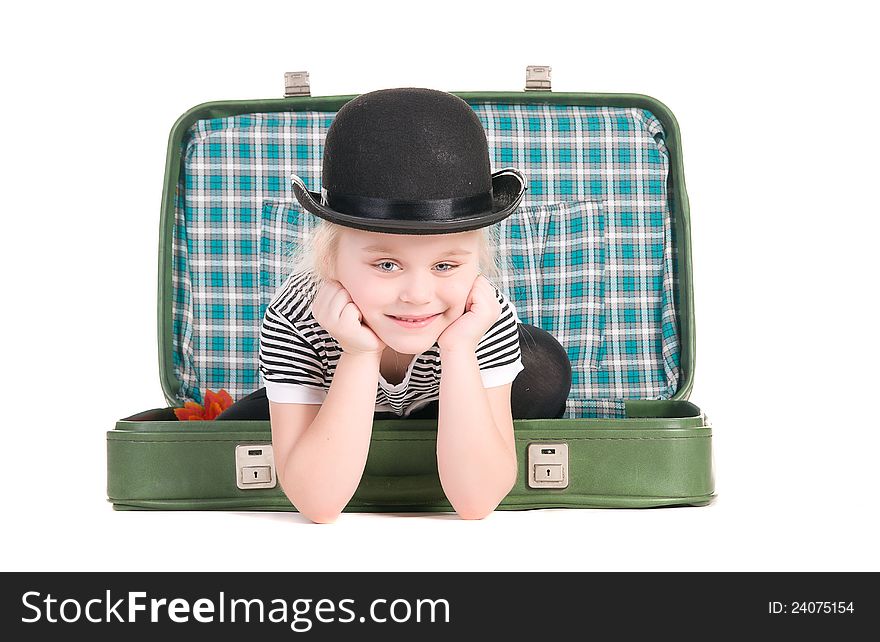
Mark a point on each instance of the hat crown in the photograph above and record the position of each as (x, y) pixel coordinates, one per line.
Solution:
(409, 144)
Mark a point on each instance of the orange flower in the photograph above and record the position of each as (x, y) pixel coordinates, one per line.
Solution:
(215, 403)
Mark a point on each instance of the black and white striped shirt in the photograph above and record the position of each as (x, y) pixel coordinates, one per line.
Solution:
(298, 357)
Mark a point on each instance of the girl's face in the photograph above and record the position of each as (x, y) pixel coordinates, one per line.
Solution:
(394, 277)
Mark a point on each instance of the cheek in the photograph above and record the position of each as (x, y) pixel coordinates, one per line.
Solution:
(367, 295)
(455, 295)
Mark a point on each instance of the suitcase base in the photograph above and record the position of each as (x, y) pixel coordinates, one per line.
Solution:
(659, 455)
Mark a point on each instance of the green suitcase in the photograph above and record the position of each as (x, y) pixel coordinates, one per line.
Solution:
(598, 254)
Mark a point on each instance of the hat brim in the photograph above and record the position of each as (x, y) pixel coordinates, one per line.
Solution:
(508, 188)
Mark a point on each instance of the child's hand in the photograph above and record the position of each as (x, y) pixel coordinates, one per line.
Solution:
(338, 315)
(482, 309)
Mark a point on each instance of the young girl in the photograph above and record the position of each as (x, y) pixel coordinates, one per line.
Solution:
(389, 311)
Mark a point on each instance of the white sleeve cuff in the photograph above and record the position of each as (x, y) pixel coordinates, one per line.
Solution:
(294, 393)
(493, 377)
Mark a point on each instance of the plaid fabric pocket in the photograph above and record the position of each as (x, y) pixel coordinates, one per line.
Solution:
(554, 265)
(284, 227)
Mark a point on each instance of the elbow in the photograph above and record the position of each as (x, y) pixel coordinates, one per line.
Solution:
(320, 510)
(474, 512)
(320, 500)
(326, 516)
(319, 513)
(478, 506)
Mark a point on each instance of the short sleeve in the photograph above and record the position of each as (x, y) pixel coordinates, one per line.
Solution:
(498, 352)
(291, 367)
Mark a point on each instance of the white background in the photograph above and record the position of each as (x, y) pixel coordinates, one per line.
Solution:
(777, 105)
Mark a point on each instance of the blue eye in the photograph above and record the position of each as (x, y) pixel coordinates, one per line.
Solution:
(450, 267)
(381, 265)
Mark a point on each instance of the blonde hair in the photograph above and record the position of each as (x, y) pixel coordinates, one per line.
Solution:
(316, 255)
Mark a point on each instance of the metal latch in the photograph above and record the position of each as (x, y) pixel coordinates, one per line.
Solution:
(254, 466)
(537, 78)
(296, 83)
(548, 465)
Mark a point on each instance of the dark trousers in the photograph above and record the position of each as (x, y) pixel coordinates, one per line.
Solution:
(538, 392)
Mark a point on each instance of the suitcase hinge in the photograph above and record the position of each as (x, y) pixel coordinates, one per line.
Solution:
(296, 83)
(537, 78)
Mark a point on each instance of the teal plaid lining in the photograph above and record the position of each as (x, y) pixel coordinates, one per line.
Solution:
(283, 229)
(234, 220)
(553, 259)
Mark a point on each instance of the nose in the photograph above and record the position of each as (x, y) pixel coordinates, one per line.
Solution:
(417, 288)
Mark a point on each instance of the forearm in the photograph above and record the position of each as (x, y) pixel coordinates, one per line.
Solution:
(326, 464)
(477, 468)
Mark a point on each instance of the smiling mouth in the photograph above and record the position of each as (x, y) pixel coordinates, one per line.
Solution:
(421, 318)
(416, 322)
(413, 319)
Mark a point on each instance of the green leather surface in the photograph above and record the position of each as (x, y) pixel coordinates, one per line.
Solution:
(636, 462)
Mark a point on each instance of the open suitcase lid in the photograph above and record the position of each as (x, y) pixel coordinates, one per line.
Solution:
(606, 202)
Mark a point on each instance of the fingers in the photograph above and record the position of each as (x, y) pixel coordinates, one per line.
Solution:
(482, 299)
(350, 314)
(475, 286)
(338, 301)
(484, 285)
(325, 294)
(481, 289)
(331, 300)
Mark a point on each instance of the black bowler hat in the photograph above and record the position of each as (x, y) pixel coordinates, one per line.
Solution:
(410, 161)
